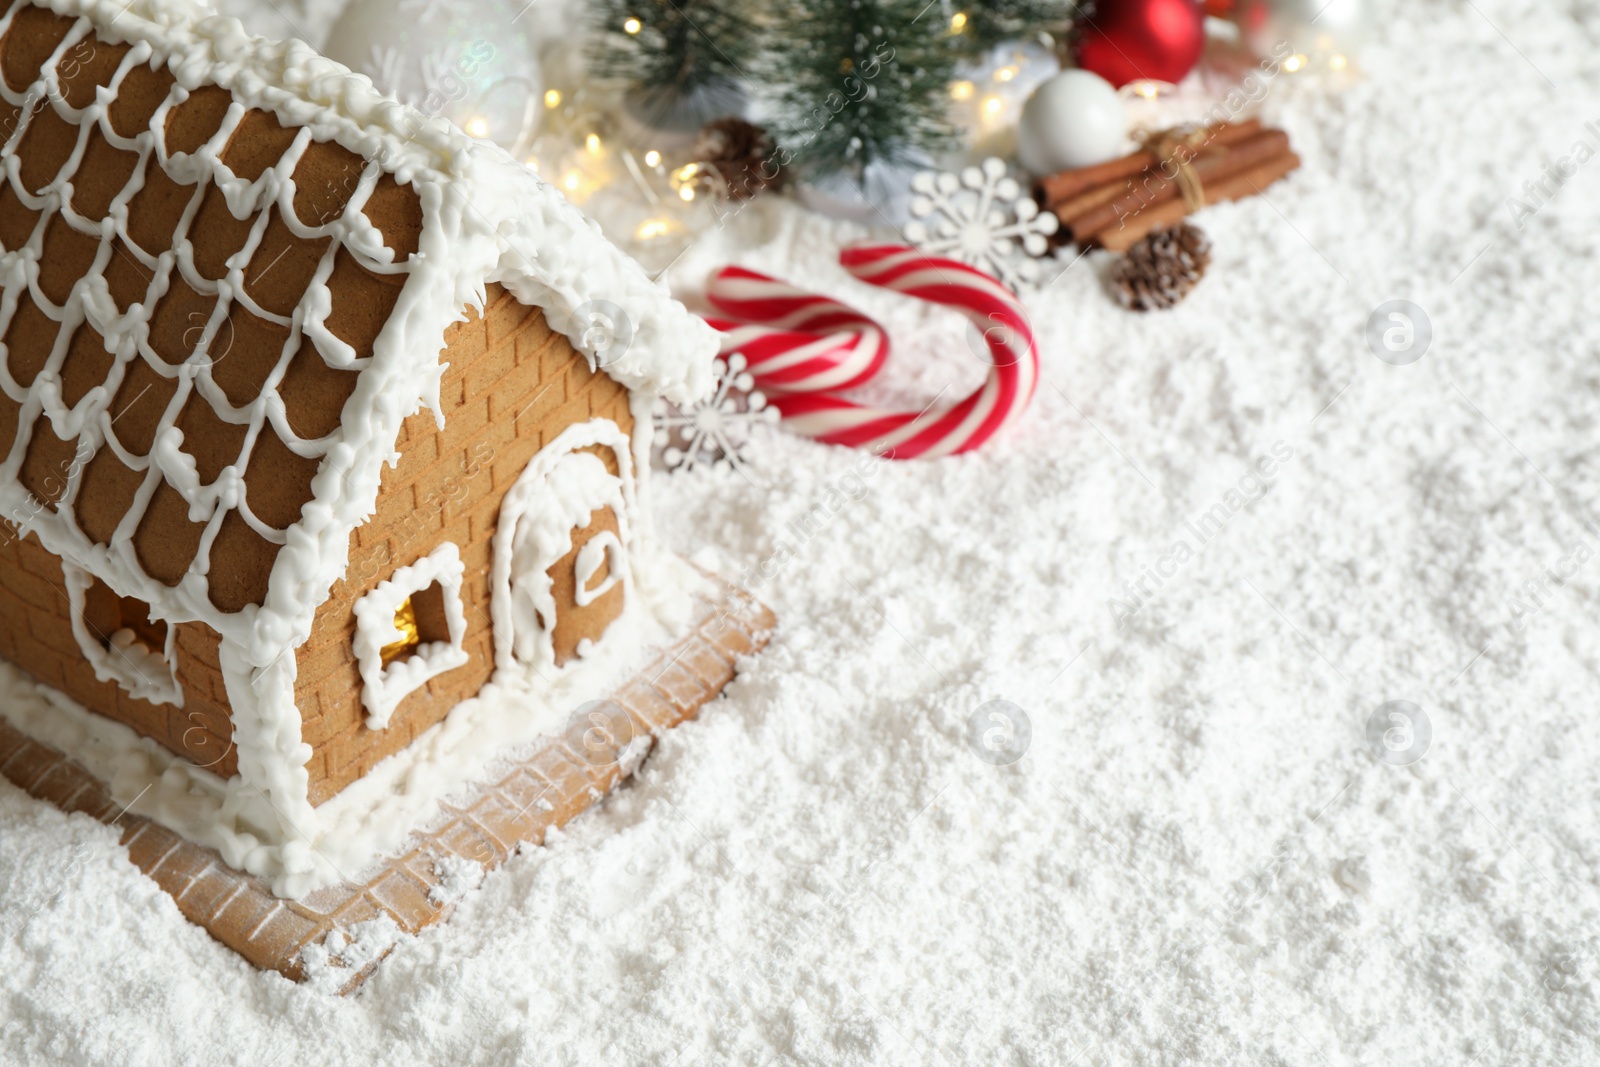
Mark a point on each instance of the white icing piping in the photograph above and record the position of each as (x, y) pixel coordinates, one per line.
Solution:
(121, 657)
(602, 550)
(554, 495)
(386, 686)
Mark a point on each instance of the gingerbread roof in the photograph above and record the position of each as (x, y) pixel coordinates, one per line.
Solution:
(228, 265)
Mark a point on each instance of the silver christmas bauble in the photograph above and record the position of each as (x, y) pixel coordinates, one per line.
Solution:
(473, 62)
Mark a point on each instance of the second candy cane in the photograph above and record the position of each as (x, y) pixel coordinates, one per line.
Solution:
(804, 350)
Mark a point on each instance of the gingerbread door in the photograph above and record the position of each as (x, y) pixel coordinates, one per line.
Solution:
(562, 566)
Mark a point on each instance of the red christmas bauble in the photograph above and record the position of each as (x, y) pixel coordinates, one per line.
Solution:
(1127, 40)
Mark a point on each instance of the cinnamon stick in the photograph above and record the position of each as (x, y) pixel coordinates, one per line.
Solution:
(1052, 190)
(1161, 185)
(1119, 236)
(1076, 207)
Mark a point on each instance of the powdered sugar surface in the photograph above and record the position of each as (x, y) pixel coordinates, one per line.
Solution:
(1198, 860)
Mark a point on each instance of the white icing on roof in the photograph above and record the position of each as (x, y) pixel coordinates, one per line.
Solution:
(486, 218)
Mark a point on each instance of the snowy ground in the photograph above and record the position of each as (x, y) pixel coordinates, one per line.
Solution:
(1199, 860)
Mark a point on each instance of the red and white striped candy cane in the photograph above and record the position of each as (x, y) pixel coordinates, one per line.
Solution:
(804, 349)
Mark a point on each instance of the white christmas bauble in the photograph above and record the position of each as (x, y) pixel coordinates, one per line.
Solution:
(1318, 30)
(1073, 120)
(473, 62)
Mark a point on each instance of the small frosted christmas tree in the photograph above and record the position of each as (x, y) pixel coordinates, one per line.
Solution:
(676, 55)
(861, 82)
(979, 25)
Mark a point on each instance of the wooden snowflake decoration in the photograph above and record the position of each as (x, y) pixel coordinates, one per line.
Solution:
(981, 218)
(717, 429)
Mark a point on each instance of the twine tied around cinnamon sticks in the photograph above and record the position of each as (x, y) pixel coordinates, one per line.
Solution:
(1175, 148)
(1174, 174)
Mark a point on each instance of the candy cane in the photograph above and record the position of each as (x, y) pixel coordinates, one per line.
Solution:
(805, 349)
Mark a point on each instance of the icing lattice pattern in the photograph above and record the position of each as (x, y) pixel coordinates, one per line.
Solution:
(191, 292)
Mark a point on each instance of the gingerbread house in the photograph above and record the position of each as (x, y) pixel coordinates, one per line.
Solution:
(324, 431)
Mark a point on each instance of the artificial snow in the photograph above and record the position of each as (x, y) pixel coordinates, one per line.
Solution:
(1198, 860)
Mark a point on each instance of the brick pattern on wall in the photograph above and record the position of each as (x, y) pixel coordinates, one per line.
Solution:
(36, 634)
(513, 385)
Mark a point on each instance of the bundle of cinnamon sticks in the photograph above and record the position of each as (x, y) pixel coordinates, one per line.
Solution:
(1114, 204)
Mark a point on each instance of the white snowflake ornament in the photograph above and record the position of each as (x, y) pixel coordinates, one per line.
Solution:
(717, 429)
(981, 218)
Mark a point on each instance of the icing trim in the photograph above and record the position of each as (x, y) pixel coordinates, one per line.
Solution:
(555, 494)
(143, 673)
(386, 685)
(604, 549)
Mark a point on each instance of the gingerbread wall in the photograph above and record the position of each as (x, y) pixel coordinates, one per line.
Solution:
(36, 634)
(512, 386)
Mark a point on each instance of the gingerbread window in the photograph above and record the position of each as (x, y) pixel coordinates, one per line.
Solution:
(121, 641)
(410, 629)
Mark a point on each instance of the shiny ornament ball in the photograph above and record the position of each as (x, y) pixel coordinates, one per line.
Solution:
(1133, 40)
(1073, 120)
(1319, 30)
(473, 62)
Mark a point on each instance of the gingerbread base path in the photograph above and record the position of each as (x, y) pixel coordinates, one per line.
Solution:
(528, 798)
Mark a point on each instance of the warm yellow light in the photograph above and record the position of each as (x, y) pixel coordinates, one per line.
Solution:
(687, 192)
(405, 621)
(652, 158)
(571, 181)
(1294, 63)
(552, 98)
(1005, 74)
(1147, 89)
(685, 174)
(592, 142)
(533, 161)
(478, 126)
(632, 26)
(958, 22)
(652, 228)
(992, 106)
(961, 90)
(1336, 62)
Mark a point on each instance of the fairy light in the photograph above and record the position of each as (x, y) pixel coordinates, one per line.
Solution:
(592, 143)
(1147, 89)
(1005, 74)
(632, 26)
(958, 22)
(1337, 62)
(652, 158)
(552, 98)
(478, 126)
(961, 90)
(1294, 63)
(652, 228)
(686, 193)
(570, 182)
(992, 106)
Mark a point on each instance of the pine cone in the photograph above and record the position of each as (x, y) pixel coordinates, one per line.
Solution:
(743, 156)
(1159, 270)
